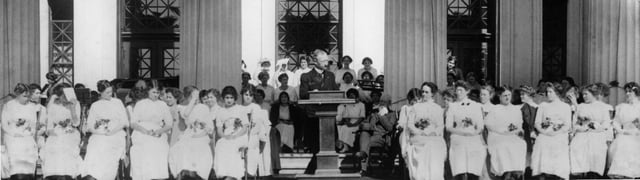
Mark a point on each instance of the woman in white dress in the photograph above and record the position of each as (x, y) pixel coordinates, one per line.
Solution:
(465, 123)
(106, 146)
(151, 121)
(486, 93)
(61, 153)
(550, 155)
(588, 149)
(413, 96)
(172, 96)
(18, 125)
(231, 126)
(625, 163)
(348, 120)
(427, 148)
(258, 142)
(506, 145)
(191, 156)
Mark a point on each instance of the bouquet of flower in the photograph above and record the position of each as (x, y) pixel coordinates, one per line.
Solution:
(512, 127)
(423, 124)
(636, 123)
(65, 125)
(231, 126)
(586, 121)
(198, 126)
(467, 122)
(546, 123)
(102, 124)
(21, 124)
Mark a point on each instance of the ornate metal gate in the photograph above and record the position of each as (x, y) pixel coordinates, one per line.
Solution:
(306, 25)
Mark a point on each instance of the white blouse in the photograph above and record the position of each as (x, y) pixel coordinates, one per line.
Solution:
(110, 113)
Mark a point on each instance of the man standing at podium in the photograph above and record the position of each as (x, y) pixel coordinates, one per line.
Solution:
(318, 79)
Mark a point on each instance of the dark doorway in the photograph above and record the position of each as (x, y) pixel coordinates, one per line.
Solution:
(554, 38)
(471, 39)
(149, 39)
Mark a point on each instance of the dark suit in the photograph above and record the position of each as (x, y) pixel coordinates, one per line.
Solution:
(308, 82)
(314, 80)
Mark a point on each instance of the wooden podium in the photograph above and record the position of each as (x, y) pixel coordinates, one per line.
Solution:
(324, 104)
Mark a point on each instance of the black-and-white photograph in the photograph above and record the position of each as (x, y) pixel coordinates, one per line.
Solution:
(319, 89)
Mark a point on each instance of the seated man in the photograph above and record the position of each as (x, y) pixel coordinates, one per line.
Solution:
(376, 131)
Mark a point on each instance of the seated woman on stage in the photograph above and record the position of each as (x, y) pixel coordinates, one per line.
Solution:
(151, 121)
(18, 125)
(191, 157)
(413, 96)
(589, 145)
(550, 157)
(624, 149)
(428, 150)
(258, 155)
(348, 120)
(507, 148)
(61, 153)
(287, 119)
(106, 121)
(231, 126)
(465, 123)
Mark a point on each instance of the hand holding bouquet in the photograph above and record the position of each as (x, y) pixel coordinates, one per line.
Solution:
(102, 124)
(423, 124)
(636, 123)
(512, 127)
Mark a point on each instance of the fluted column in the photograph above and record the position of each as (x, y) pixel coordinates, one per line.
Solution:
(604, 40)
(210, 41)
(19, 43)
(520, 41)
(415, 45)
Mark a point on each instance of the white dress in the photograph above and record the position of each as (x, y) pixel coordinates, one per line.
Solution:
(624, 149)
(551, 152)
(194, 153)
(345, 132)
(19, 123)
(149, 154)
(61, 153)
(588, 150)
(427, 149)
(104, 152)
(467, 153)
(508, 151)
(258, 162)
(228, 160)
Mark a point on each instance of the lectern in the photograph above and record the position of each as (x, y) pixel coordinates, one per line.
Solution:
(325, 105)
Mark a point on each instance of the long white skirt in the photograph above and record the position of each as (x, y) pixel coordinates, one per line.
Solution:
(625, 159)
(228, 158)
(149, 157)
(346, 134)
(103, 155)
(61, 155)
(4, 173)
(508, 153)
(428, 155)
(467, 154)
(191, 154)
(22, 153)
(259, 163)
(588, 152)
(286, 134)
(551, 155)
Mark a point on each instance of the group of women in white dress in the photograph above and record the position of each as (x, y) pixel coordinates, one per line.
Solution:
(161, 136)
(484, 140)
